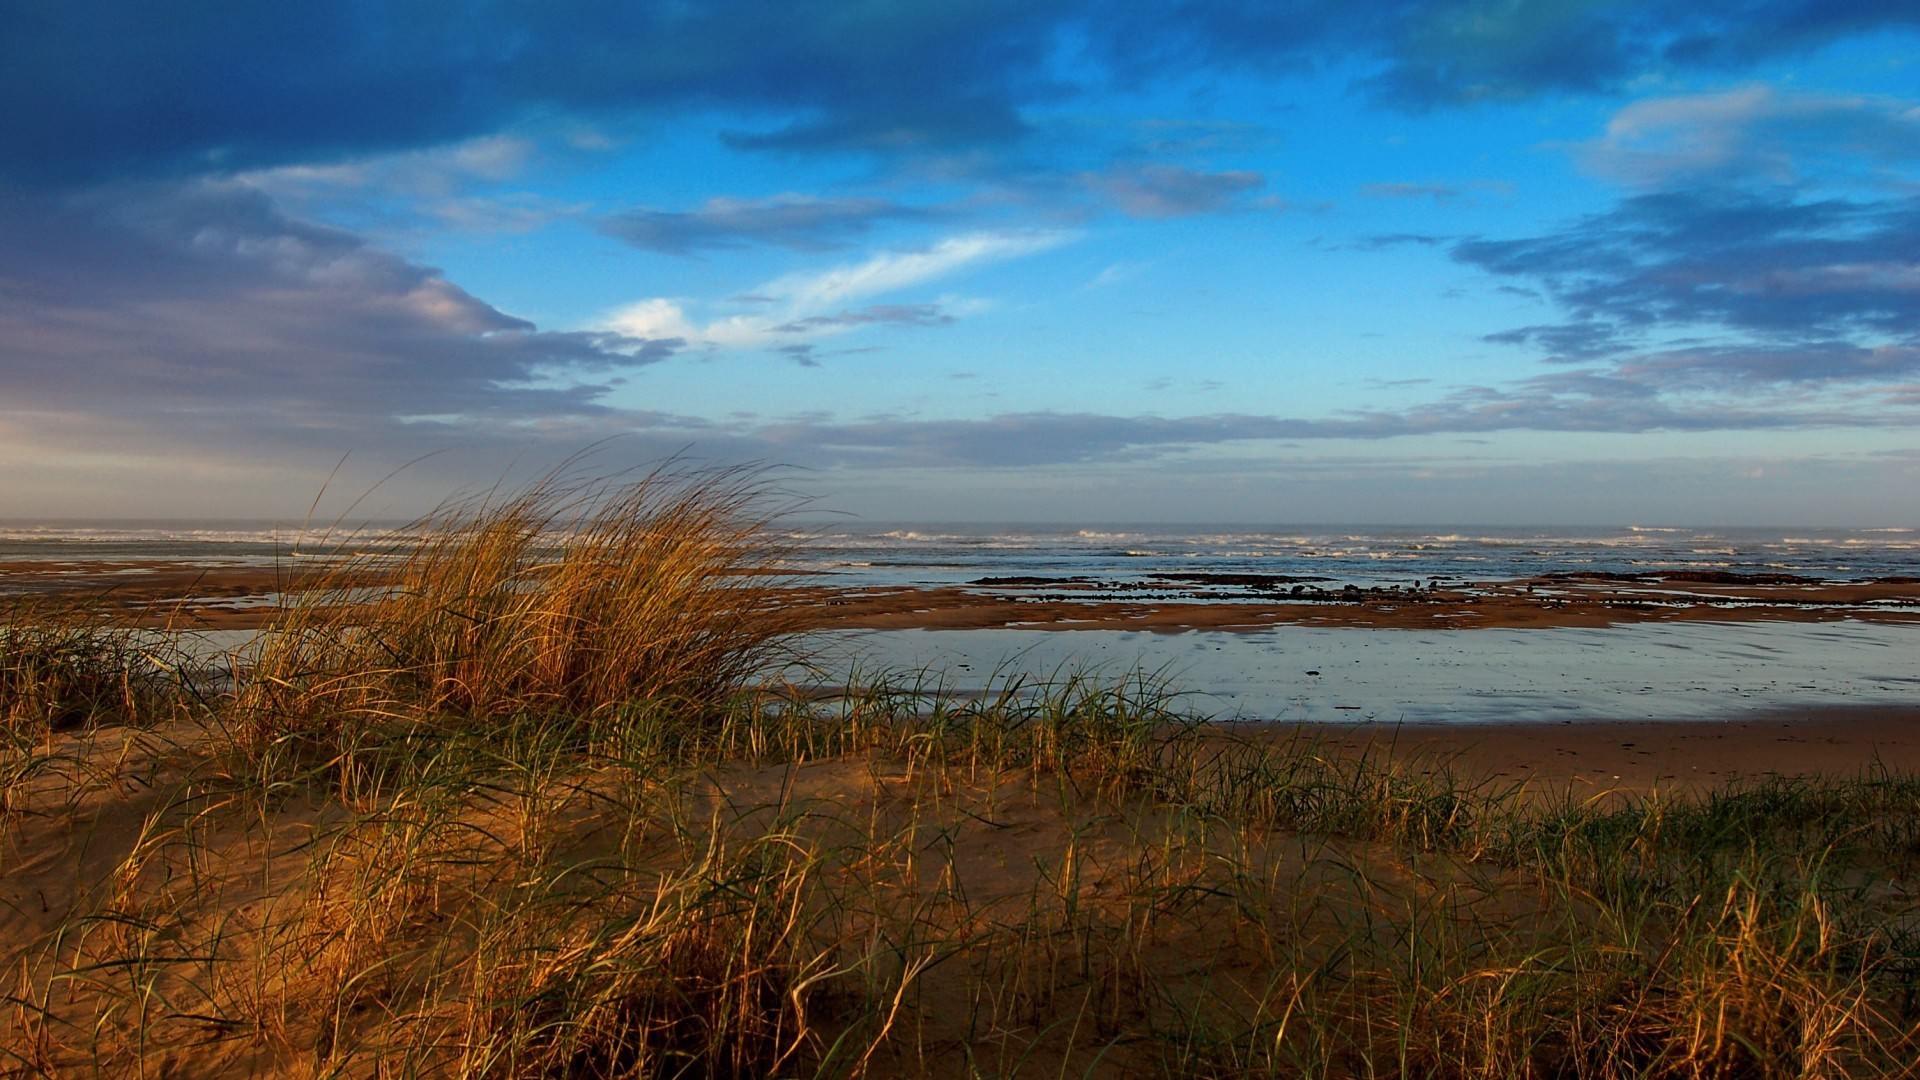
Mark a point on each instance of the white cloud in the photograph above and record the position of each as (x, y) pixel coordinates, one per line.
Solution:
(491, 157)
(800, 306)
(655, 318)
(1116, 273)
(891, 271)
(432, 172)
(1752, 131)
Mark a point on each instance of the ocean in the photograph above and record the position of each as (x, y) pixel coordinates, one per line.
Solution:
(895, 553)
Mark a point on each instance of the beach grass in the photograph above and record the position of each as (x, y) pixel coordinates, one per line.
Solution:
(531, 807)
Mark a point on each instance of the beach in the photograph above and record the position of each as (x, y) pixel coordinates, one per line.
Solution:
(1222, 820)
(1650, 757)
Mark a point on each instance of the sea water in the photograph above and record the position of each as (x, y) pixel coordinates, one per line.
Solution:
(889, 553)
(1362, 555)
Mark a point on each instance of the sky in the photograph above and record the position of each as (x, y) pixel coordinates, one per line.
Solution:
(1490, 261)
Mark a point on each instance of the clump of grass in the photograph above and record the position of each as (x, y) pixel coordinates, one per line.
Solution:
(574, 597)
(66, 665)
(713, 971)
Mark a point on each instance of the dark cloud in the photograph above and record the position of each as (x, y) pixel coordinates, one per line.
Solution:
(795, 222)
(99, 88)
(1771, 267)
(1745, 31)
(1383, 241)
(102, 89)
(1720, 367)
(1561, 342)
(802, 354)
(187, 305)
(1463, 51)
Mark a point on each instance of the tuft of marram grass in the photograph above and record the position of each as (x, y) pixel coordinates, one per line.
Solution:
(66, 665)
(575, 597)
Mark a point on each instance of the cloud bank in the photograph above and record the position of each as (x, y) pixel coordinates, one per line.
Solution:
(100, 89)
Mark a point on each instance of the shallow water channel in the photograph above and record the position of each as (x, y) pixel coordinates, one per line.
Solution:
(1646, 671)
(1692, 670)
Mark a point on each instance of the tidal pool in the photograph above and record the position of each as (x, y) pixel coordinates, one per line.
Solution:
(1691, 670)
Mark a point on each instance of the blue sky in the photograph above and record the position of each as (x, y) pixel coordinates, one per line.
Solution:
(1470, 261)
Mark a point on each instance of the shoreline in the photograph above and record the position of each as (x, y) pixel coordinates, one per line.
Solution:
(1584, 753)
(154, 593)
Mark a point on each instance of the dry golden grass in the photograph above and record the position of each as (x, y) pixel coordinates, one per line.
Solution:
(67, 664)
(583, 597)
(531, 812)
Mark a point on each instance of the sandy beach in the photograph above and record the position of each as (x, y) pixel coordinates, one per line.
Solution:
(937, 873)
(1672, 757)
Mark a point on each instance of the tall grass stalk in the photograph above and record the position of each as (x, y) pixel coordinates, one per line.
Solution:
(575, 597)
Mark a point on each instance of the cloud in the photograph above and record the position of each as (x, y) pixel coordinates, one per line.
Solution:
(1478, 50)
(815, 302)
(1769, 266)
(203, 328)
(1453, 52)
(162, 312)
(1552, 403)
(1750, 133)
(1116, 273)
(514, 213)
(100, 89)
(1564, 341)
(1763, 303)
(802, 354)
(191, 306)
(1715, 367)
(889, 314)
(1164, 191)
(891, 271)
(1385, 241)
(796, 222)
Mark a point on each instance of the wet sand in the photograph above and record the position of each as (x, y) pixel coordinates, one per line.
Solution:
(1585, 759)
(1490, 605)
(155, 594)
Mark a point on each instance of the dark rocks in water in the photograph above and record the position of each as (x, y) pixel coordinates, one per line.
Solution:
(1697, 577)
(1253, 581)
(1032, 582)
(1730, 577)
